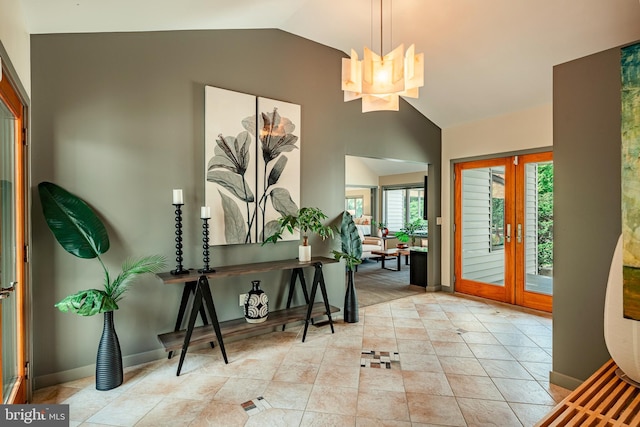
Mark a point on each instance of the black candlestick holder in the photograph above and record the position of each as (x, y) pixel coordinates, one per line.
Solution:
(205, 247)
(179, 268)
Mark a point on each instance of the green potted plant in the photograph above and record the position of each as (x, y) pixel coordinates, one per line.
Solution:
(407, 232)
(352, 254)
(307, 220)
(81, 233)
(382, 228)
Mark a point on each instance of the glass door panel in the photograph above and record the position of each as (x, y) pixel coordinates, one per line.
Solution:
(7, 251)
(534, 286)
(483, 244)
(12, 243)
(483, 225)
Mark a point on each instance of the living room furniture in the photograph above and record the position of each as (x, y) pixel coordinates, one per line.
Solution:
(198, 284)
(385, 238)
(369, 244)
(418, 270)
(604, 399)
(393, 253)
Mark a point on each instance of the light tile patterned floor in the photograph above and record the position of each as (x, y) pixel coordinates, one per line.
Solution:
(462, 362)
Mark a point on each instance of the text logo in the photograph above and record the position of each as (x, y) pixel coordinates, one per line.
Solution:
(34, 415)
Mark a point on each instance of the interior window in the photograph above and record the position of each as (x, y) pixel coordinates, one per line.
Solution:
(354, 205)
(402, 205)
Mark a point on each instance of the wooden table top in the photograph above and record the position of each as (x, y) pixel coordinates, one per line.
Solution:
(240, 269)
(391, 252)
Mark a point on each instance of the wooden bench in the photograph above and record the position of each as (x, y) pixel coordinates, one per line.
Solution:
(602, 400)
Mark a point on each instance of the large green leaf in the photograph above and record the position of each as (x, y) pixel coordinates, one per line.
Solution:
(87, 303)
(351, 243)
(73, 223)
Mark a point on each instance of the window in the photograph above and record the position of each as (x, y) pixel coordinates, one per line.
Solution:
(354, 205)
(402, 205)
(497, 208)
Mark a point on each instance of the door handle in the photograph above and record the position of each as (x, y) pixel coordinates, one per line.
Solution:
(508, 236)
(6, 292)
(519, 233)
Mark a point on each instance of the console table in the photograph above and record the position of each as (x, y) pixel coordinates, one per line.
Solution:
(197, 284)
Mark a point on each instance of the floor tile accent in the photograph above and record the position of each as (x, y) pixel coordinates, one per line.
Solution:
(380, 359)
(255, 406)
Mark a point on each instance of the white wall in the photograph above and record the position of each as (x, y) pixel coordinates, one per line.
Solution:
(357, 173)
(522, 130)
(15, 39)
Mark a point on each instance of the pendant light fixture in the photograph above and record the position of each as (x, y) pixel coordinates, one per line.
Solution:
(379, 80)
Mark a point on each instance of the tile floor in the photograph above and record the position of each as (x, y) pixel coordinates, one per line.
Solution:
(462, 362)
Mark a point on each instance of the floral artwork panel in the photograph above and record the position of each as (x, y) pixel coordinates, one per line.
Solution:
(278, 163)
(230, 166)
(630, 96)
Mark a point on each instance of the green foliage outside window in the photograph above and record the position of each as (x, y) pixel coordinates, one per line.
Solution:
(545, 216)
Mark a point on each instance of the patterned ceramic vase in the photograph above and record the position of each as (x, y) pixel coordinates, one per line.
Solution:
(256, 304)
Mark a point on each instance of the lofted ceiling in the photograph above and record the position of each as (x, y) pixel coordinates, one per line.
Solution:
(483, 58)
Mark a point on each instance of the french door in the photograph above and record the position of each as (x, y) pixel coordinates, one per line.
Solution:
(12, 246)
(503, 229)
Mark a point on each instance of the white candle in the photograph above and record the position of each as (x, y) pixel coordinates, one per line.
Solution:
(205, 212)
(177, 197)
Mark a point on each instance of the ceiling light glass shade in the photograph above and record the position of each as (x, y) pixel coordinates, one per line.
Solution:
(380, 80)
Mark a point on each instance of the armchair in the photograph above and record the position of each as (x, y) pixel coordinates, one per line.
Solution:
(369, 243)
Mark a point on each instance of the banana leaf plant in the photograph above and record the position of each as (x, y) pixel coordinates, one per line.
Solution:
(81, 233)
(352, 254)
(351, 243)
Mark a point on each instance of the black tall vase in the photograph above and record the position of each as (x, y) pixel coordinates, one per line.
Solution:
(109, 361)
(350, 300)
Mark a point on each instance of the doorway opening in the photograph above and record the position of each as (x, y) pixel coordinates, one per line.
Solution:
(384, 193)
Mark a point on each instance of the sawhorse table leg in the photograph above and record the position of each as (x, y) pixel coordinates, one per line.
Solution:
(297, 272)
(189, 288)
(318, 280)
(203, 293)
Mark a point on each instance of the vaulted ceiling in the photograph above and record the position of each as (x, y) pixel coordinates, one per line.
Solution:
(483, 58)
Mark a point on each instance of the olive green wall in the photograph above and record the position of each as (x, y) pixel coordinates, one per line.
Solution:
(587, 212)
(118, 120)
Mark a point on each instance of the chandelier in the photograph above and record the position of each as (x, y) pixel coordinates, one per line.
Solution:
(379, 80)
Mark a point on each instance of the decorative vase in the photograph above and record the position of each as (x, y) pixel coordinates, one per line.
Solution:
(350, 300)
(256, 304)
(109, 360)
(620, 335)
(385, 232)
(304, 253)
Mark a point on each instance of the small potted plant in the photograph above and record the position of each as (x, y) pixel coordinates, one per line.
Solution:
(307, 220)
(352, 253)
(407, 232)
(382, 228)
